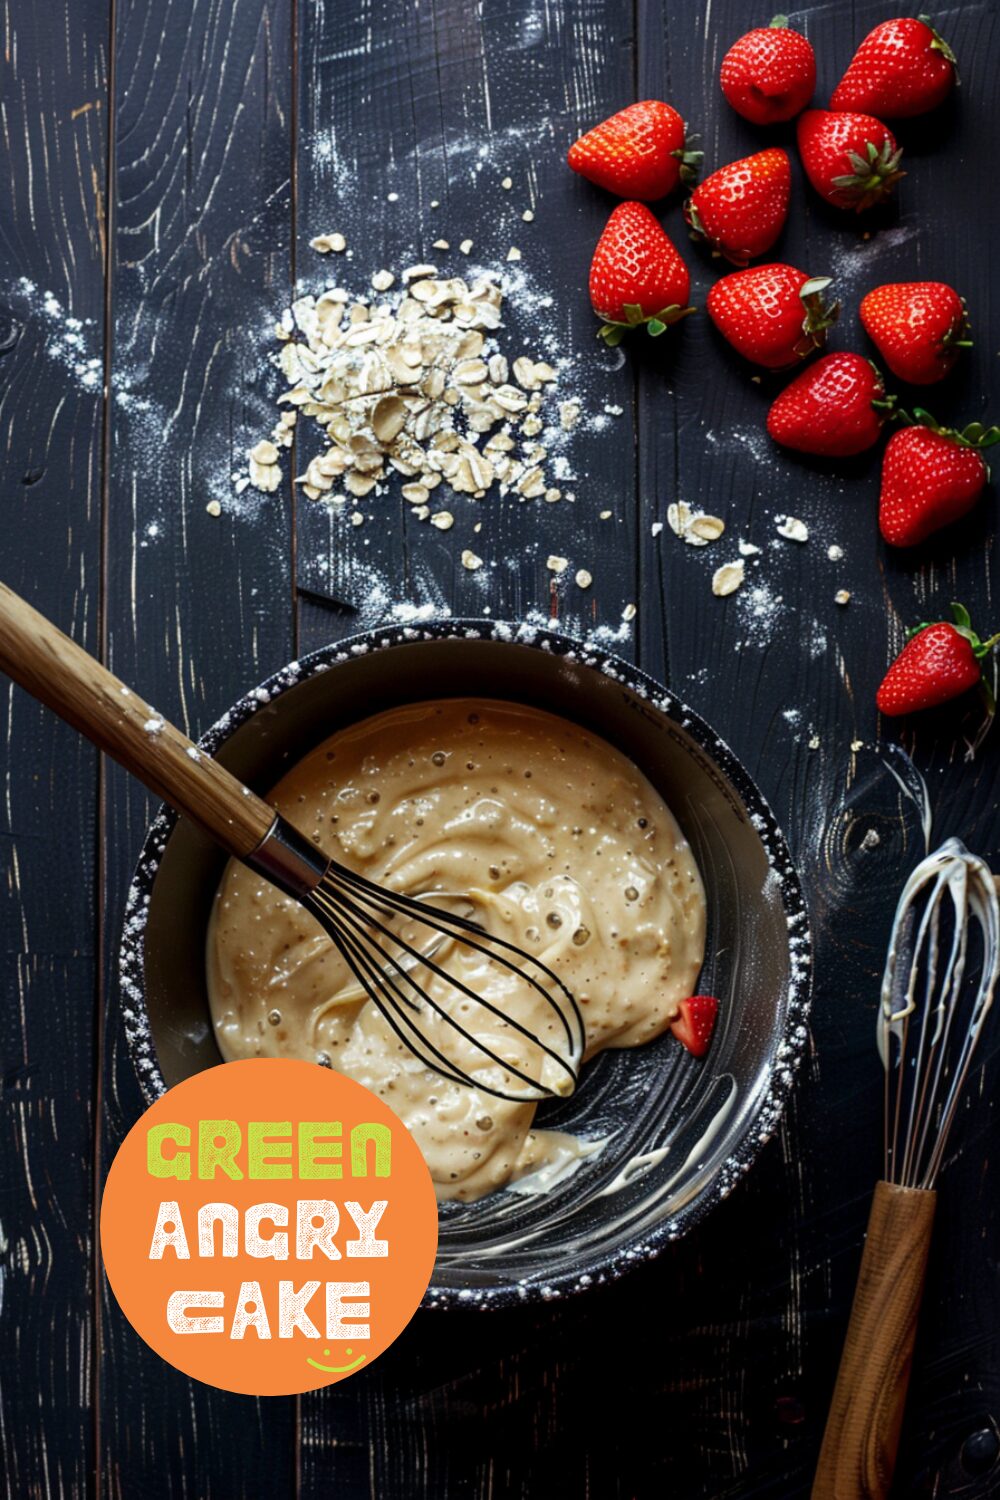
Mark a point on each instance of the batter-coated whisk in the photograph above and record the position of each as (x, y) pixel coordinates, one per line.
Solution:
(408, 954)
(937, 991)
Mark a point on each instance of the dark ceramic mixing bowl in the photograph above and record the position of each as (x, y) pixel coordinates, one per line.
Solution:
(677, 1133)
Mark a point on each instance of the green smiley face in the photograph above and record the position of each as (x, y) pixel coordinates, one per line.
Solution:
(337, 1369)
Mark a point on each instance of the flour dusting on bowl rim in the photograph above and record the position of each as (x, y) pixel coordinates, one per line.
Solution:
(794, 1034)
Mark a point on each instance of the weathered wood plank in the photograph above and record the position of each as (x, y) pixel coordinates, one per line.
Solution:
(198, 607)
(404, 107)
(788, 677)
(441, 103)
(52, 146)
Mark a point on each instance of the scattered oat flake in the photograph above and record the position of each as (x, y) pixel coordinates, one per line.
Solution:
(513, 253)
(507, 184)
(556, 564)
(727, 579)
(705, 529)
(792, 529)
(835, 553)
(678, 517)
(471, 561)
(383, 280)
(441, 245)
(814, 742)
(324, 243)
(606, 515)
(357, 519)
(527, 216)
(748, 549)
(214, 508)
(656, 528)
(465, 247)
(857, 745)
(842, 596)
(584, 579)
(694, 527)
(629, 612)
(392, 197)
(443, 520)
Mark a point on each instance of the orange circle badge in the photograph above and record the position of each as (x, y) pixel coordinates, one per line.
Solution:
(269, 1226)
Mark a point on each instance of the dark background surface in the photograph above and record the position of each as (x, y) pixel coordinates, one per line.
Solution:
(167, 165)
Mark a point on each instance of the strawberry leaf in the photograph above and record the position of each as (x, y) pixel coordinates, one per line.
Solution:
(975, 435)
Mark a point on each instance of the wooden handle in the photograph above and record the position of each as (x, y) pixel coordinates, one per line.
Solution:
(62, 675)
(858, 1455)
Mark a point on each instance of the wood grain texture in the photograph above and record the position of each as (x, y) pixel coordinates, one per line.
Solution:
(59, 673)
(858, 1453)
(53, 71)
(198, 607)
(440, 103)
(724, 1351)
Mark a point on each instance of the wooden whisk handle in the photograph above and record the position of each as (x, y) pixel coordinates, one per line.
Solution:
(64, 677)
(858, 1455)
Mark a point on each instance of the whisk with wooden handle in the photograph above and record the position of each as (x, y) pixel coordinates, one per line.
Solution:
(937, 990)
(397, 946)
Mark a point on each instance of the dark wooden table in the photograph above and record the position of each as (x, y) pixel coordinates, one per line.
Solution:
(166, 166)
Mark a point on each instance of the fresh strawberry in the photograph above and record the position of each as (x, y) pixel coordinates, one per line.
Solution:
(834, 408)
(769, 74)
(636, 275)
(772, 315)
(939, 662)
(741, 209)
(638, 153)
(851, 160)
(901, 68)
(931, 476)
(696, 1022)
(918, 327)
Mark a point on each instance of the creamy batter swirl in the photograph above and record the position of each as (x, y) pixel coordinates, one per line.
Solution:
(562, 844)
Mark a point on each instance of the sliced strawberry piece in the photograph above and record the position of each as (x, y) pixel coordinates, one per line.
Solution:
(694, 1026)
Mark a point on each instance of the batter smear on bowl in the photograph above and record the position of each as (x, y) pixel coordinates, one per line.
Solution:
(551, 837)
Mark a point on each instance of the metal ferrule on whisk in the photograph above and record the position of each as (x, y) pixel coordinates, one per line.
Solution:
(289, 860)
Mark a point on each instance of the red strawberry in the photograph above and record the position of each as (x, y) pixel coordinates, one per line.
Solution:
(637, 153)
(901, 68)
(918, 328)
(773, 315)
(931, 476)
(939, 662)
(696, 1022)
(834, 408)
(636, 275)
(851, 160)
(769, 74)
(741, 209)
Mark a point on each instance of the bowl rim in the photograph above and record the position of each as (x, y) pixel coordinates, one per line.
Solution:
(790, 1042)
